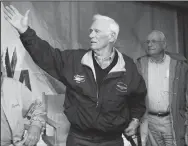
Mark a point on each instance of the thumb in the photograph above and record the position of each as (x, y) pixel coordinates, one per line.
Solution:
(20, 143)
(25, 138)
(27, 13)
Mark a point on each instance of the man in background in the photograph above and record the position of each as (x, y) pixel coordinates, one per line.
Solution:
(166, 78)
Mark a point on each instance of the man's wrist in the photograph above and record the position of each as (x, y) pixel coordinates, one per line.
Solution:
(23, 30)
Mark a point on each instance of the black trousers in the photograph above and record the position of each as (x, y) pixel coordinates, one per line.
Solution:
(75, 139)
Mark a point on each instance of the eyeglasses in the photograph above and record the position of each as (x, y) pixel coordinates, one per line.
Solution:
(152, 41)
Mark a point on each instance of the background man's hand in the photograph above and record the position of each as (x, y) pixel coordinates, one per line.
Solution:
(132, 128)
(17, 20)
(33, 136)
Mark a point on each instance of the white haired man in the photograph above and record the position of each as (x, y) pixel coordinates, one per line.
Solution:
(17, 104)
(166, 77)
(105, 94)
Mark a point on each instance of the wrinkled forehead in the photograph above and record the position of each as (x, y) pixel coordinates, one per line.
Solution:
(103, 25)
(155, 36)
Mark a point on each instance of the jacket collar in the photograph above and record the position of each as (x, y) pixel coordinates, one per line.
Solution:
(176, 56)
(87, 60)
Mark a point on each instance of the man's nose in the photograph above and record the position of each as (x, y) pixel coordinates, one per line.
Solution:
(149, 44)
(92, 34)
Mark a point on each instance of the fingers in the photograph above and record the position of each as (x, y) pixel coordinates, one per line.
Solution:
(25, 138)
(20, 143)
(31, 140)
(14, 9)
(9, 10)
(32, 143)
(130, 131)
(7, 14)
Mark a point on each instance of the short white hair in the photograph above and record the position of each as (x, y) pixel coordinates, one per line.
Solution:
(114, 26)
(160, 33)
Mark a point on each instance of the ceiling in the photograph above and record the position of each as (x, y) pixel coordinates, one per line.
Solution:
(181, 4)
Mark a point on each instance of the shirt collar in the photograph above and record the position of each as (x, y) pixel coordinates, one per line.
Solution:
(158, 62)
(108, 58)
(87, 60)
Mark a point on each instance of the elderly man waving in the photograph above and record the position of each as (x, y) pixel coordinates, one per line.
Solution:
(105, 94)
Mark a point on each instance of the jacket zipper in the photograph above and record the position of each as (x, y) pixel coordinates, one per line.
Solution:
(97, 94)
(98, 89)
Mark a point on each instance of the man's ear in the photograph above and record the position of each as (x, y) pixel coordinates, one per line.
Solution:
(112, 37)
(164, 45)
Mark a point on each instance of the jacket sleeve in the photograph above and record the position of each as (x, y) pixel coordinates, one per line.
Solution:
(33, 108)
(45, 56)
(138, 94)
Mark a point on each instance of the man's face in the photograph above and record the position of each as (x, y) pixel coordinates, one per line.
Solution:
(99, 34)
(154, 44)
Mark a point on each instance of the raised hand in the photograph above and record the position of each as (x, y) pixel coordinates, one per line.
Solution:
(17, 20)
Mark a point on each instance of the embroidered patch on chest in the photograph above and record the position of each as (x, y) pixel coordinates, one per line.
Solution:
(122, 87)
(79, 78)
